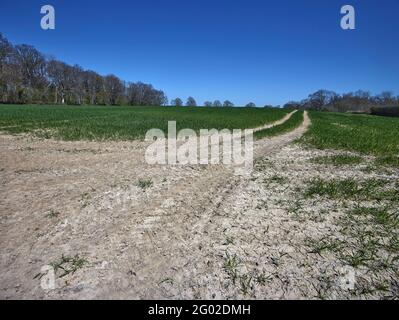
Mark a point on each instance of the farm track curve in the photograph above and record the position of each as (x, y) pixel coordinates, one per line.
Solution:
(151, 244)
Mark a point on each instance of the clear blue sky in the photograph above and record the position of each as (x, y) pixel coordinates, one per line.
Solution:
(260, 51)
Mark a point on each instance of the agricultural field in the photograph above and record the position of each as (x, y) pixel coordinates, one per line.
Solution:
(317, 218)
(358, 133)
(125, 123)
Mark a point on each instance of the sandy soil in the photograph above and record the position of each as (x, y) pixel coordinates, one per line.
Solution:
(175, 239)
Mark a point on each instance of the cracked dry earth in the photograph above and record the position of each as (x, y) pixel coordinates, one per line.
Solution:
(198, 232)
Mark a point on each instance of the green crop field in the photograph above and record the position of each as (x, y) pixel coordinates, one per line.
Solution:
(365, 134)
(292, 123)
(360, 133)
(124, 123)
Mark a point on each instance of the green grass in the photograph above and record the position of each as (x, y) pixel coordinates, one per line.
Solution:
(388, 161)
(276, 179)
(231, 265)
(338, 160)
(332, 188)
(125, 123)
(68, 265)
(294, 122)
(364, 210)
(65, 265)
(360, 133)
(145, 183)
(380, 215)
(52, 214)
(369, 189)
(318, 246)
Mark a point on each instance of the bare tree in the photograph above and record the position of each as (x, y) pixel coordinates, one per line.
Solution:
(77, 84)
(114, 89)
(228, 103)
(386, 98)
(7, 75)
(292, 105)
(250, 105)
(217, 103)
(32, 64)
(56, 72)
(191, 102)
(177, 102)
(94, 88)
(321, 98)
(6, 51)
(141, 94)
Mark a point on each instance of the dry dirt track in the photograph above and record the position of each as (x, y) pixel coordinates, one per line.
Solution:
(168, 241)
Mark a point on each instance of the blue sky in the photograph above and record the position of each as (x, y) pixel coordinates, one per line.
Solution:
(268, 52)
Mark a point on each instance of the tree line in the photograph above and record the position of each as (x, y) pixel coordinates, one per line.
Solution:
(217, 103)
(359, 101)
(192, 103)
(28, 76)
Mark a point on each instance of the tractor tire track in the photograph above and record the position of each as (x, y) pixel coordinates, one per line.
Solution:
(157, 244)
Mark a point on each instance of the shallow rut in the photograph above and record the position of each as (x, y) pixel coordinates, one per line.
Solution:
(176, 253)
(157, 245)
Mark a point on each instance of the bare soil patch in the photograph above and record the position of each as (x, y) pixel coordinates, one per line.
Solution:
(169, 232)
